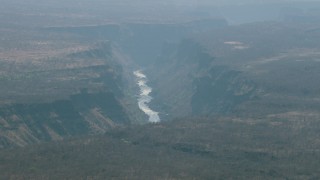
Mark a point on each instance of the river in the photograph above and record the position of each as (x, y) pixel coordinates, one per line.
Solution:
(144, 98)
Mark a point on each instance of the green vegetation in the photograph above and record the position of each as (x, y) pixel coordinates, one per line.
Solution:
(199, 148)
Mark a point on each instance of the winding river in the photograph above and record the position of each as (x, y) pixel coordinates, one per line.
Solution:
(144, 98)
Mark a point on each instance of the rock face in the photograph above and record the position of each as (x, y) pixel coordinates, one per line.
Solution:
(253, 70)
(76, 94)
(82, 114)
(192, 82)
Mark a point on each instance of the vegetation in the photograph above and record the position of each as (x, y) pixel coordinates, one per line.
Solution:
(198, 148)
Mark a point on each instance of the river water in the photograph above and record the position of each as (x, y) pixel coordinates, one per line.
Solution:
(144, 98)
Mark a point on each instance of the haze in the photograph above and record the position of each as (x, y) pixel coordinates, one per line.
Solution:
(173, 89)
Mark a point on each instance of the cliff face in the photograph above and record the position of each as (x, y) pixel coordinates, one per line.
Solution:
(76, 94)
(81, 114)
(192, 82)
(254, 70)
